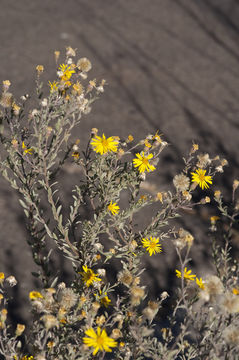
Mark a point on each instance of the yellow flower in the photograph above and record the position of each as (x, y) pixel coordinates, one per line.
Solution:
(2, 277)
(98, 340)
(33, 295)
(152, 245)
(66, 72)
(76, 155)
(53, 86)
(200, 178)
(200, 283)
(105, 301)
(26, 150)
(88, 276)
(130, 138)
(39, 69)
(102, 145)
(142, 162)
(113, 208)
(186, 274)
(235, 291)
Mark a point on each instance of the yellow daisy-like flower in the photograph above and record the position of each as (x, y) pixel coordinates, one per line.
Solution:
(200, 283)
(53, 86)
(88, 276)
(186, 274)
(66, 71)
(235, 291)
(2, 277)
(113, 208)
(76, 155)
(98, 340)
(33, 295)
(202, 179)
(102, 145)
(152, 245)
(26, 150)
(142, 162)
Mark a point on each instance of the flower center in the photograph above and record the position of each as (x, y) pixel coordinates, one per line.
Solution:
(100, 340)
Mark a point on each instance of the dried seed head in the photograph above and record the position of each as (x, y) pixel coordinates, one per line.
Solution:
(11, 280)
(203, 161)
(181, 182)
(230, 303)
(6, 99)
(49, 321)
(84, 64)
(116, 333)
(231, 335)
(125, 277)
(67, 298)
(137, 294)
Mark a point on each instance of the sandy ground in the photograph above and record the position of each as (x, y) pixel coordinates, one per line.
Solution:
(170, 65)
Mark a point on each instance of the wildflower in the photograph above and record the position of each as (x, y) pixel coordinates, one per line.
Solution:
(50, 321)
(26, 150)
(185, 238)
(98, 340)
(51, 344)
(102, 145)
(195, 148)
(3, 315)
(213, 219)
(113, 208)
(1, 297)
(142, 162)
(105, 301)
(186, 274)
(152, 245)
(130, 138)
(235, 184)
(75, 155)
(200, 178)
(164, 295)
(53, 86)
(88, 276)
(65, 72)
(15, 108)
(235, 291)
(2, 277)
(57, 54)
(19, 330)
(39, 69)
(6, 84)
(217, 194)
(84, 64)
(77, 88)
(34, 295)
(159, 197)
(181, 182)
(125, 277)
(147, 143)
(187, 195)
(100, 320)
(200, 283)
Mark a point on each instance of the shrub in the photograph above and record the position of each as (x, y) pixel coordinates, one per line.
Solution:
(98, 316)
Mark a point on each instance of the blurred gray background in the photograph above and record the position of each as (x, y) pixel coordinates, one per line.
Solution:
(170, 65)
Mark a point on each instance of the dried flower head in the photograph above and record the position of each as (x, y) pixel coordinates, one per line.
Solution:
(19, 330)
(67, 298)
(125, 277)
(84, 64)
(203, 161)
(49, 321)
(181, 182)
(230, 303)
(231, 335)
(6, 100)
(136, 295)
(212, 287)
(11, 280)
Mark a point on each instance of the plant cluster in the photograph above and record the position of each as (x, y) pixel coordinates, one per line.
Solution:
(97, 316)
